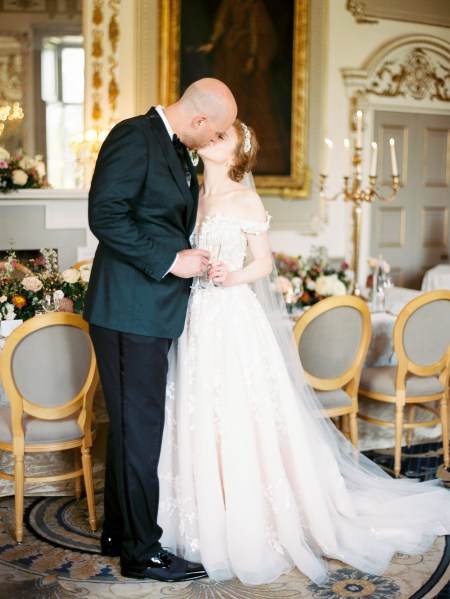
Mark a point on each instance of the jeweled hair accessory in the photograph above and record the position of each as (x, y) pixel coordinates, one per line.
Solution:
(247, 138)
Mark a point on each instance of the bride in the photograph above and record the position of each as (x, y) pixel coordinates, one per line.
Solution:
(253, 484)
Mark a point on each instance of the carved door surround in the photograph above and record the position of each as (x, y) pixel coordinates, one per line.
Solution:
(410, 70)
(409, 74)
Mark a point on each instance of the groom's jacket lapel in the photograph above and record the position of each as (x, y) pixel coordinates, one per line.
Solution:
(190, 193)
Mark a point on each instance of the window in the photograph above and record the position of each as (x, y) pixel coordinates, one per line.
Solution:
(62, 91)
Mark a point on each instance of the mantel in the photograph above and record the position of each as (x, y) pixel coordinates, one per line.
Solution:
(56, 218)
(43, 194)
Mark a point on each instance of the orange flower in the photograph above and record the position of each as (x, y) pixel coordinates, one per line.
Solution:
(306, 297)
(19, 301)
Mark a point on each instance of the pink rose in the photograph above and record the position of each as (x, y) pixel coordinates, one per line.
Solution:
(65, 305)
(32, 284)
(85, 274)
(71, 275)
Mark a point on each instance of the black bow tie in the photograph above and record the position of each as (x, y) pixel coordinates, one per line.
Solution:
(179, 149)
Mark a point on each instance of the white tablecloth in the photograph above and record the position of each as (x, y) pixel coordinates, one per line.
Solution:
(437, 278)
(381, 348)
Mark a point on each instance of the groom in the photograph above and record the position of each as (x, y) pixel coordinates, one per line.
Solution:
(142, 208)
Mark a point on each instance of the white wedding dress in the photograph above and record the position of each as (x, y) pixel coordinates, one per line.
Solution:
(252, 483)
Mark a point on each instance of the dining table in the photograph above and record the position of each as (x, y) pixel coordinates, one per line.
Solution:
(437, 277)
(381, 348)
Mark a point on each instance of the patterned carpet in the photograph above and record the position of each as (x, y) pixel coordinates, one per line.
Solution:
(59, 559)
(423, 461)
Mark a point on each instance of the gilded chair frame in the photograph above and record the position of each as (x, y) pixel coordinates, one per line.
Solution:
(82, 263)
(20, 406)
(19, 271)
(348, 380)
(400, 399)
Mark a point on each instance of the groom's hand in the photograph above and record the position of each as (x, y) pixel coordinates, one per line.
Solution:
(190, 263)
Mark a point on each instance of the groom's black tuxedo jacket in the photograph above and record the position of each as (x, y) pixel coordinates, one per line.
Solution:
(142, 211)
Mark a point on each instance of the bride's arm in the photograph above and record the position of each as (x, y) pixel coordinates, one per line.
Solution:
(251, 209)
(259, 267)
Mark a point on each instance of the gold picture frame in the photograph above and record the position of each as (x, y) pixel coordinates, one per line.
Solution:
(287, 177)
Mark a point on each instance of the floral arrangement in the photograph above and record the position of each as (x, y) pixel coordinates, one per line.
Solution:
(304, 282)
(20, 171)
(38, 286)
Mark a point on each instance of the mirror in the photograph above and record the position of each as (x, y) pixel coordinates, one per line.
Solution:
(12, 90)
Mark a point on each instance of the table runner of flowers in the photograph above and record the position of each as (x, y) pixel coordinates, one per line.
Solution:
(305, 281)
(28, 287)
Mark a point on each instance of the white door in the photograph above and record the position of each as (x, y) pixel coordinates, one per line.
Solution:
(412, 232)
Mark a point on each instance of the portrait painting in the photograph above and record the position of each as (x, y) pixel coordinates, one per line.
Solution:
(258, 48)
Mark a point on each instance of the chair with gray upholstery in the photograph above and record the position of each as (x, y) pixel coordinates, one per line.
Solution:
(332, 339)
(49, 373)
(421, 379)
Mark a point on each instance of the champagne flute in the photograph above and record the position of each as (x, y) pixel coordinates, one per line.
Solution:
(212, 245)
(197, 242)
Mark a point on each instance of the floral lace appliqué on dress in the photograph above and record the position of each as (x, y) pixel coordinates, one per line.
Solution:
(247, 487)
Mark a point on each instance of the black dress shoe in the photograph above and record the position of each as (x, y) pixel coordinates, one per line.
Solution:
(111, 545)
(164, 566)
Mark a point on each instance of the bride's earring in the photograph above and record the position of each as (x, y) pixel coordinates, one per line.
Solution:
(229, 163)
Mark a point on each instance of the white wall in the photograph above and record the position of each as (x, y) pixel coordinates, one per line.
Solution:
(350, 45)
(347, 45)
(336, 42)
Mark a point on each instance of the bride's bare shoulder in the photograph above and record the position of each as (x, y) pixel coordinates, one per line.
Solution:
(249, 205)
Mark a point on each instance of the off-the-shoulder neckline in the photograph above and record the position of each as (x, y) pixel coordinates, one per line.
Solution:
(223, 216)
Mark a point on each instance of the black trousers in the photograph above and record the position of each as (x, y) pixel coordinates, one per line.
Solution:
(133, 373)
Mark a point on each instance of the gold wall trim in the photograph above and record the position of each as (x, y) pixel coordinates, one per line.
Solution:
(412, 67)
(438, 243)
(445, 182)
(97, 56)
(416, 75)
(295, 185)
(382, 211)
(431, 12)
(113, 37)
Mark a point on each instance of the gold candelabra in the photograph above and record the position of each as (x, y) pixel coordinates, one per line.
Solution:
(353, 191)
(86, 146)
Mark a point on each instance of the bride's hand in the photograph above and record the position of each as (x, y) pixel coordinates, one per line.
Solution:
(217, 273)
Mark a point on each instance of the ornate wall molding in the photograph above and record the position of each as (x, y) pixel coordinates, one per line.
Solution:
(102, 39)
(14, 52)
(418, 74)
(97, 59)
(412, 67)
(49, 7)
(358, 10)
(431, 12)
(113, 37)
(147, 19)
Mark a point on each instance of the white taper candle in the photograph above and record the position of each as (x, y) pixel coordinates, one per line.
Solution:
(393, 157)
(346, 157)
(359, 128)
(328, 146)
(373, 163)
